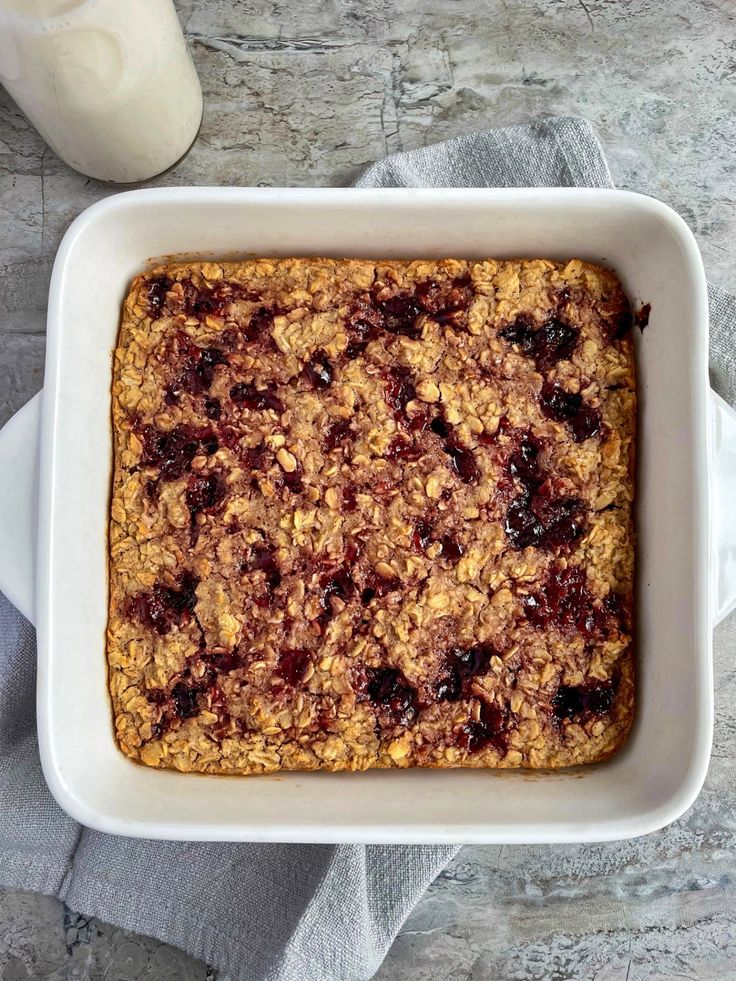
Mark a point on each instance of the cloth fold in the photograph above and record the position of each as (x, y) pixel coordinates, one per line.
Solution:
(272, 912)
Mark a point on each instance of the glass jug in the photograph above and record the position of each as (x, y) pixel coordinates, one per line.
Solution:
(109, 84)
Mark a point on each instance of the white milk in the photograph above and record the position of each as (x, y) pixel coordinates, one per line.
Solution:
(109, 84)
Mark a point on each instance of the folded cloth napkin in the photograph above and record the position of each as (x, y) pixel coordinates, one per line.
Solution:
(272, 912)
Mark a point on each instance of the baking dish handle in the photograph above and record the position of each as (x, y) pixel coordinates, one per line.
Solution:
(724, 507)
(18, 505)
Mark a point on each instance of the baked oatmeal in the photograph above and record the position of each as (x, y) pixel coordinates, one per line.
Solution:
(372, 514)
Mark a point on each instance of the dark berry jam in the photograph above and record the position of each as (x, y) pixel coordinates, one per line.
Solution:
(463, 461)
(452, 549)
(196, 368)
(319, 370)
(566, 603)
(582, 419)
(462, 665)
(592, 698)
(223, 662)
(619, 326)
(390, 691)
(292, 666)
(339, 584)
(524, 462)
(174, 451)
(441, 427)
(157, 290)
(205, 492)
(544, 523)
(185, 699)
(400, 390)
(338, 433)
(262, 559)
(378, 586)
(349, 501)
(533, 519)
(213, 409)
(422, 535)
(403, 449)
(489, 730)
(167, 606)
(214, 302)
(260, 322)
(294, 481)
(363, 326)
(554, 341)
(256, 458)
(400, 312)
(491, 439)
(445, 301)
(250, 397)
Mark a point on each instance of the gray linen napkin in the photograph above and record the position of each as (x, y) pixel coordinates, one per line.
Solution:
(276, 912)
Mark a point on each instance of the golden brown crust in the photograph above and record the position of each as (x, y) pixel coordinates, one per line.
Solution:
(371, 514)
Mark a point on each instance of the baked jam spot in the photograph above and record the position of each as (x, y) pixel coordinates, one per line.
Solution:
(213, 409)
(524, 462)
(260, 322)
(204, 493)
(566, 602)
(544, 522)
(319, 370)
(388, 689)
(399, 312)
(247, 395)
(422, 535)
(223, 662)
(400, 391)
(338, 584)
(462, 460)
(619, 326)
(533, 519)
(215, 302)
(262, 559)
(441, 427)
(592, 698)
(363, 324)
(196, 368)
(294, 481)
(403, 449)
(338, 433)
(173, 452)
(157, 290)
(167, 606)
(452, 549)
(292, 665)
(462, 665)
(349, 498)
(378, 586)
(582, 419)
(444, 302)
(186, 699)
(489, 730)
(554, 341)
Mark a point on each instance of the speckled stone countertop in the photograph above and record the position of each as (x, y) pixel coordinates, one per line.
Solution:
(309, 94)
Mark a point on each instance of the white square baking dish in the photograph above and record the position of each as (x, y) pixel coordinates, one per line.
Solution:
(661, 769)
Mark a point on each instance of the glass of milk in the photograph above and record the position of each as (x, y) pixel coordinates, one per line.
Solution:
(109, 84)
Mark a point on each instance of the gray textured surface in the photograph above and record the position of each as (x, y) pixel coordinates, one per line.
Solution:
(309, 94)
